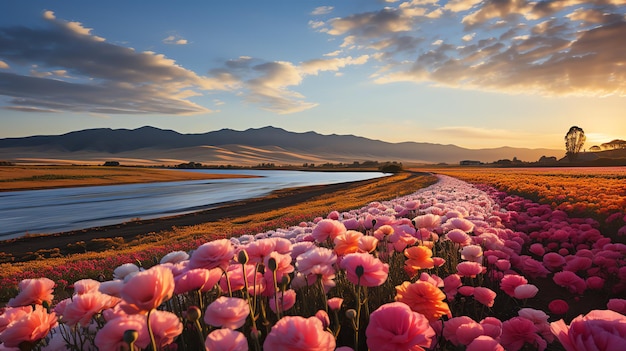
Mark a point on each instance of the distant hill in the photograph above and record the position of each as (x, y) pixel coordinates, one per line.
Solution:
(149, 145)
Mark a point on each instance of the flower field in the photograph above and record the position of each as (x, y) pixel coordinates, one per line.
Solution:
(452, 266)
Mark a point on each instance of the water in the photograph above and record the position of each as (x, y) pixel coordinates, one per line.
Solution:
(58, 210)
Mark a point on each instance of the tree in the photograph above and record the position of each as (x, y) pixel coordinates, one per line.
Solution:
(574, 141)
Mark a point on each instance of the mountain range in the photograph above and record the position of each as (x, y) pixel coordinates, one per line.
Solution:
(154, 146)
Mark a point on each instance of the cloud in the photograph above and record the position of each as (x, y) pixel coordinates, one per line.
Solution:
(3, 65)
(322, 10)
(313, 67)
(175, 40)
(552, 48)
(81, 72)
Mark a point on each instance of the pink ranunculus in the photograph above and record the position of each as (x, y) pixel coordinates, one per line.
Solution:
(374, 271)
(83, 307)
(558, 306)
(570, 281)
(216, 253)
(328, 228)
(595, 282)
(125, 270)
(469, 269)
(235, 277)
(227, 312)
(451, 327)
(146, 290)
(518, 331)
(111, 287)
(166, 326)
(367, 243)
(317, 261)
(484, 343)
(537, 249)
(33, 291)
(197, 279)
(84, 286)
(294, 333)
(553, 261)
(334, 303)
(617, 305)
(10, 314)
(286, 300)
(525, 291)
(394, 326)
(111, 336)
(226, 340)
(28, 328)
(473, 253)
(466, 290)
(492, 327)
(509, 282)
(174, 257)
(323, 317)
(597, 330)
(428, 221)
(459, 236)
(485, 296)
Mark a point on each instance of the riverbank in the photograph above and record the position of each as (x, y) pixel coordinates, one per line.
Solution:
(14, 178)
(314, 199)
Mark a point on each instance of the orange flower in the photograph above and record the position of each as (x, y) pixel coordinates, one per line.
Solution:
(419, 257)
(424, 298)
(347, 242)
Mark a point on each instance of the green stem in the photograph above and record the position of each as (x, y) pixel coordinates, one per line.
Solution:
(150, 332)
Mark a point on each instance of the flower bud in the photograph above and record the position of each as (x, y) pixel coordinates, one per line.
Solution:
(242, 257)
(351, 314)
(271, 264)
(359, 270)
(130, 336)
(193, 313)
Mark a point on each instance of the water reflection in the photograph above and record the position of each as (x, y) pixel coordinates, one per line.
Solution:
(57, 210)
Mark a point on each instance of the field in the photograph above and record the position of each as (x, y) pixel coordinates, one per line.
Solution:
(516, 259)
(39, 177)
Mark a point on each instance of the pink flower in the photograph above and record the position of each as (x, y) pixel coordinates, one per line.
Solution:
(111, 336)
(569, 280)
(259, 249)
(286, 300)
(553, 261)
(147, 290)
(335, 303)
(323, 317)
(537, 249)
(328, 228)
(364, 269)
(511, 281)
(484, 343)
(394, 326)
(472, 253)
(166, 326)
(196, 279)
(469, 269)
(461, 330)
(597, 330)
(317, 261)
(595, 283)
(428, 221)
(283, 267)
(227, 312)
(235, 276)
(459, 236)
(617, 305)
(28, 328)
(83, 307)
(84, 286)
(294, 333)
(492, 327)
(367, 243)
(558, 306)
(226, 340)
(216, 253)
(525, 291)
(174, 257)
(485, 296)
(518, 331)
(33, 291)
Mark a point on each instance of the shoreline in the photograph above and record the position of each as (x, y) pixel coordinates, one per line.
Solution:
(29, 244)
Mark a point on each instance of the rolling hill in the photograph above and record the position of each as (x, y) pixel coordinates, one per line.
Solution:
(154, 146)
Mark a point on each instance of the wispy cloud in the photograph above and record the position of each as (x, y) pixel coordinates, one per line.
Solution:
(572, 47)
(81, 72)
(322, 10)
(175, 40)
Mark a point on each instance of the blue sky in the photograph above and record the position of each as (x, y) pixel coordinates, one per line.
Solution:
(477, 74)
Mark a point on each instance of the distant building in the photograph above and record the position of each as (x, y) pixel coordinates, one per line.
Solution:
(470, 163)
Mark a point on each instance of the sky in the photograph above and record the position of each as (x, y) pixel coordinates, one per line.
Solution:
(477, 74)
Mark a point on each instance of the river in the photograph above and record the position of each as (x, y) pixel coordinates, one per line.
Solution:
(58, 210)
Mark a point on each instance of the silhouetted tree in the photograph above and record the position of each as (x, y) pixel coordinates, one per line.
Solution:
(574, 141)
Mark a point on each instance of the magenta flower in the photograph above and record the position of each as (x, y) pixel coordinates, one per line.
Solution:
(227, 312)
(569, 280)
(553, 261)
(461, 330)
(518, 331)
(217, 253)
(617, 305)
(33, 292)
(509, 282)
(364, 269)
(597, 330)
(558, 306)
(484, 343)
(147, 290)
(469, 269)
(492, 327)
(226, 340)
(295, 333)
(394, 326)
(485, 296)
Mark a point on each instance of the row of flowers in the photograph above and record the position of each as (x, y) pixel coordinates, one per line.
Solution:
(450, 266)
